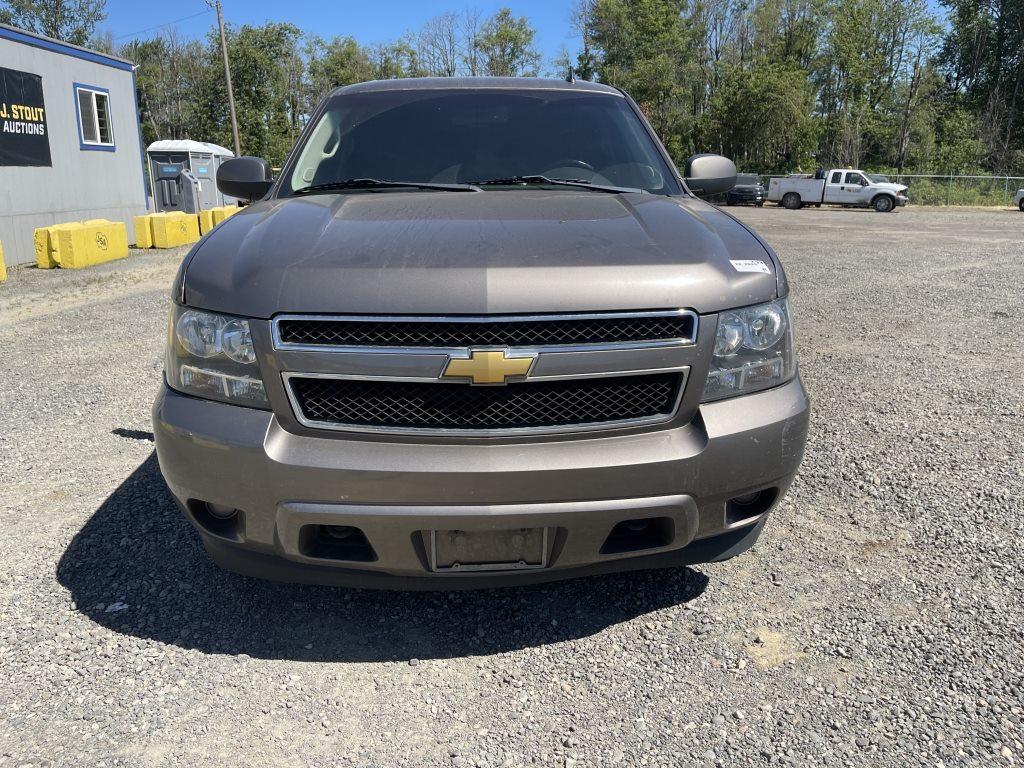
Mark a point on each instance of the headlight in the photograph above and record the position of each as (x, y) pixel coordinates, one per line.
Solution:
(753, 351)
(212, 356)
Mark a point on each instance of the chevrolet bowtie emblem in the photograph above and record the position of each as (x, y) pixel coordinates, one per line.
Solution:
(488, 366)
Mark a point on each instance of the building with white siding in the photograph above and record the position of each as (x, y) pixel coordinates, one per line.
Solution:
(70, 145)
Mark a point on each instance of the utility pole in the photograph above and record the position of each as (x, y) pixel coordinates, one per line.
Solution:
(227, 76)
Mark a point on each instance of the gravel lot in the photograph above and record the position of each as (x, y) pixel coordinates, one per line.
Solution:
(877, 623)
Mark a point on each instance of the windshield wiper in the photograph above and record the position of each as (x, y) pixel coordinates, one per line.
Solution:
(539, 179)
(333, 186)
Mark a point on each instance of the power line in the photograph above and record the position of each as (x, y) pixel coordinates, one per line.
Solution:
(167, 24)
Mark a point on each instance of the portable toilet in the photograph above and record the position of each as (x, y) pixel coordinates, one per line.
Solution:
(183, 175)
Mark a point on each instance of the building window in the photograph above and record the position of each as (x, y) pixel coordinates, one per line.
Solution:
(92, 105)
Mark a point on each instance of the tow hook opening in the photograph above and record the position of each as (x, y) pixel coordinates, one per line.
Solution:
(636, 535)
(336, 542)
(750, 505)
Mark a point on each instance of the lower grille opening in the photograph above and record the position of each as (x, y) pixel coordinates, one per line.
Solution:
(336, 542)
(750, 505)
(218, 520)
(636, 535)
(527, 405)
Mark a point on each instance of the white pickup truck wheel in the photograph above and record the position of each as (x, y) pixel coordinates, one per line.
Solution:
(883, 203)
(1021, 205)
(792, 201)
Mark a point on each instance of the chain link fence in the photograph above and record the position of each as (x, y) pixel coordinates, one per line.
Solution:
(960, 190)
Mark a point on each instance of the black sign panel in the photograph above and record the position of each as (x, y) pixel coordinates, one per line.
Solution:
(23, 136)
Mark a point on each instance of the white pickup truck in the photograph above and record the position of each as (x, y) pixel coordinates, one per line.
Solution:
(840, 186)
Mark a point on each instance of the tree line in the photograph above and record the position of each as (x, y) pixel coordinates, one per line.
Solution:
(794, 84)
(779, 85)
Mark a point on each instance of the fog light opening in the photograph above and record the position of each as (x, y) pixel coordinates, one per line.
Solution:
(336, 542)
(340, 532)
(637, 535)
(223, 521)
(749, 505)
(220, 511)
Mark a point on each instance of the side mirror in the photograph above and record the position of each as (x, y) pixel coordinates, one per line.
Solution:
(247, 178)
(708, 175)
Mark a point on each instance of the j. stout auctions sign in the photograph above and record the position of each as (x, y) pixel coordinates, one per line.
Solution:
(23, 139)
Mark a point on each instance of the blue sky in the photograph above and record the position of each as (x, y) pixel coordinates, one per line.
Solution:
(369, 22)
(373, 21)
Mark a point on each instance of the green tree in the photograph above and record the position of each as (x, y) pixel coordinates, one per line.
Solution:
(866, 50)
(506, 44)
(169, 73)
(263, 89)
(332, 64)
(646, 47)
(961, 145)
(761, 116)
(72, 21)
(983, 59)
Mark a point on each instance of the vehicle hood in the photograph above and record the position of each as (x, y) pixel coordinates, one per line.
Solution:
(488, 252)
(889, 186)
(749, 187)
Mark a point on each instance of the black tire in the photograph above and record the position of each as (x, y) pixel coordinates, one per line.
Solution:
(884, 204)
(791, 201)
(1021, 205)
(761, 204)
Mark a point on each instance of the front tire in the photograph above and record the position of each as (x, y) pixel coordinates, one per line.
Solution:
(884, 204)
(1021, 205)
(791, 201)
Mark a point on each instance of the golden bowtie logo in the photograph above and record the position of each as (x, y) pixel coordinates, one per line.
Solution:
(488, 366)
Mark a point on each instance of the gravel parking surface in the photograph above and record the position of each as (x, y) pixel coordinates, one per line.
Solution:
(878, 622)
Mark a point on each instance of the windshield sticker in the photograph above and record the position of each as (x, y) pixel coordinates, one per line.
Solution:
(750, 265)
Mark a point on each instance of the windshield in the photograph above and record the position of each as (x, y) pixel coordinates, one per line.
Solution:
(747, 179)
(474, 135)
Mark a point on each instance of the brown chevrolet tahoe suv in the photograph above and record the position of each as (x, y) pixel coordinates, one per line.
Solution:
(478, 332)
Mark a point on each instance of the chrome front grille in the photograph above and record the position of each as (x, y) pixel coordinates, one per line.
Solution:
(489, 330)
(404, 374)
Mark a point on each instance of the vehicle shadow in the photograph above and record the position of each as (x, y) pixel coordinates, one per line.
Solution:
(138, 568)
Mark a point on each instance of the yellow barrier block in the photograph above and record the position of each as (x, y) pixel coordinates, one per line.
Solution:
(224, 212)
(44, 252)
(191, 231)
(69, 243)
(143, 232)
(174, 228)
(116, 234)
(47, 246)
(165, 232)
(91, 242)
(206, 221)
(3, 267)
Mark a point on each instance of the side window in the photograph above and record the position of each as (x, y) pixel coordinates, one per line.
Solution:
(837, 177)
(92, 105)
(853, 178)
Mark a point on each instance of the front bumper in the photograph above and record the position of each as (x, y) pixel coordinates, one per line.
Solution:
(741, 198)
(286, 485)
